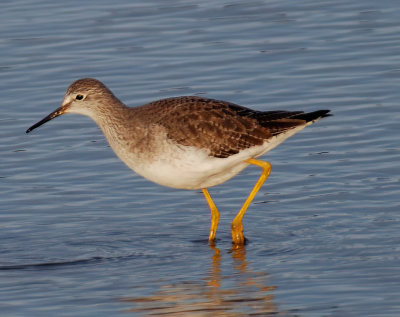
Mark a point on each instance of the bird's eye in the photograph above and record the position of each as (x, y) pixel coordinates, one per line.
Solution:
(79, 97)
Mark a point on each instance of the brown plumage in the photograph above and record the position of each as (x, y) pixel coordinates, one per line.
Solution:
(222, 127)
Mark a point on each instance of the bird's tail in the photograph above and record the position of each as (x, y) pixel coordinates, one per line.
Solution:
(311, 117)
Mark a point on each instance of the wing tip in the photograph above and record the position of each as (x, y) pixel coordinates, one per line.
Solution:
(311, 117)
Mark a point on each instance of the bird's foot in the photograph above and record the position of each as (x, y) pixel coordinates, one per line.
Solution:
(237, 234)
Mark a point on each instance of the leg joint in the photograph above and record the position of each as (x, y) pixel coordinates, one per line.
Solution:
(262, 164)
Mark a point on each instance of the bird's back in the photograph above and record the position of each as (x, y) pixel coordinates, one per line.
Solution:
(221, 127)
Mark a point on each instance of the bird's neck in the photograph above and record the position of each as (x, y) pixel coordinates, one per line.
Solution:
(121, 127)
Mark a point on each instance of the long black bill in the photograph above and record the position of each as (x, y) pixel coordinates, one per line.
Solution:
(58, 112)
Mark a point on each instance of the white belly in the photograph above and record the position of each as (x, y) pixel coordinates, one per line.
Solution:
(187, 167)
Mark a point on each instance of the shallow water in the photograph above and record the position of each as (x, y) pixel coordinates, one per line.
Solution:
(81, 235)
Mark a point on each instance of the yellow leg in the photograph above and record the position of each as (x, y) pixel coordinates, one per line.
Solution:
(214, 215)
(237, 226)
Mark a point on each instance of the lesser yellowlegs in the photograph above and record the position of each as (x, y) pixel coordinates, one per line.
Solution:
(186, 142)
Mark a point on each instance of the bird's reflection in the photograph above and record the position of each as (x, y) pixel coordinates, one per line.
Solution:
(241, 292)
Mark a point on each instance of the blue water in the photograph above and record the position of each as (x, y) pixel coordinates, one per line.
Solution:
(81, 235)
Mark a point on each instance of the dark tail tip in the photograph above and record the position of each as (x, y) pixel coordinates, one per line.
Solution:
(312, 116)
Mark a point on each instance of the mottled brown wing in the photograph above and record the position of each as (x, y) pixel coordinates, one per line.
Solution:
(223, 128)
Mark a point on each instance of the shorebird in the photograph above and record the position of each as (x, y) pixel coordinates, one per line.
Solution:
(186, 142)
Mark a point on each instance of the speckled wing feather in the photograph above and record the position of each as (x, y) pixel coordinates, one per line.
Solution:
(223, 128)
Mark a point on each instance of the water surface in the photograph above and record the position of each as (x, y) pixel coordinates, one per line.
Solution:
(81, 235)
